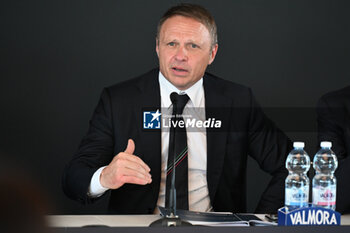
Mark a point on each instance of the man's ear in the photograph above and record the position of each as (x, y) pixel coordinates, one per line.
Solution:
(212, 54)
(157, 47)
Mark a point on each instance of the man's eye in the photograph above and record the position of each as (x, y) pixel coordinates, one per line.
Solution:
(194, 46)
(171, 44)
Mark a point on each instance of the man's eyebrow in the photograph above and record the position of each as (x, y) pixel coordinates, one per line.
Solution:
(194, 42)
(191, 42)
(169, 39)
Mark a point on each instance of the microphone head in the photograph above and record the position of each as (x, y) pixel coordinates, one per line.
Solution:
(173, 97)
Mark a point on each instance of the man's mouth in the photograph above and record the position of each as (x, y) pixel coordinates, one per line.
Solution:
(179, 69)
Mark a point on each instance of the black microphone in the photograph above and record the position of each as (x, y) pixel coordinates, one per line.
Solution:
(173, 98)
(172, 220)
(172, 194)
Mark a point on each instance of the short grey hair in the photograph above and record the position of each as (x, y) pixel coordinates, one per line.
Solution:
(193, 11)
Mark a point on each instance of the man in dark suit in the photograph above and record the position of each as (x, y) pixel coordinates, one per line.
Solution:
(333, 111)
(121, 155)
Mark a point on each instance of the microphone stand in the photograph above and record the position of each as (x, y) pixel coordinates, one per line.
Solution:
(172, 220)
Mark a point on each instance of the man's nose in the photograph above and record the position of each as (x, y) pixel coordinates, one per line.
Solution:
(181, 54)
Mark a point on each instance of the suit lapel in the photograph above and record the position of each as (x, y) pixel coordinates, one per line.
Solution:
(217, 106)
(150, 138)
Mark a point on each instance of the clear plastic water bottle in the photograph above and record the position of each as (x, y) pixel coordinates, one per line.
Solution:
(297, 183)
(324, 183)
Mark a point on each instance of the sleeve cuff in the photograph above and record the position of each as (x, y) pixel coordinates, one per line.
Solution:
(95, 188)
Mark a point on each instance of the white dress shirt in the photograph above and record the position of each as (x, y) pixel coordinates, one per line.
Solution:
(198, 198)
(198, 194)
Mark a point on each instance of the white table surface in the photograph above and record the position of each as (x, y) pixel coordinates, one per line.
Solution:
(108, 220)
(121, 220)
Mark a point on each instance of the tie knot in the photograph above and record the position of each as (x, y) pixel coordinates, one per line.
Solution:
(179, 102)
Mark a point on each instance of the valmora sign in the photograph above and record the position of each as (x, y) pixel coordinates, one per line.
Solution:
(308, 216)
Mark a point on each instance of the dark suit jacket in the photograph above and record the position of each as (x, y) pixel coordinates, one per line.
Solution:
(245, 130)
(333, 111)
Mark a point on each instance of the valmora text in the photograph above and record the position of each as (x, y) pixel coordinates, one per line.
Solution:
(313, 217)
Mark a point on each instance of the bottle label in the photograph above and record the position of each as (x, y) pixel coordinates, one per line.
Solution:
(324, 196)
(297, 197)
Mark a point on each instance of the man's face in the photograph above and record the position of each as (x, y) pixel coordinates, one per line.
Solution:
(184, 51)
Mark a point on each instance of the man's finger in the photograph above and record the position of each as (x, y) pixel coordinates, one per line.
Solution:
(135, 159)
(134, 180)
(130, 147)
(137, 167)
(135, 173)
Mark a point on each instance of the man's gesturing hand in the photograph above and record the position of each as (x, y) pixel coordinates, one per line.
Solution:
(125, 168)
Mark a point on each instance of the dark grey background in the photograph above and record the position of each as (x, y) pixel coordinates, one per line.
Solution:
(56, 56)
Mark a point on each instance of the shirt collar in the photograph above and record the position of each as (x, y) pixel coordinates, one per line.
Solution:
(195, 92)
